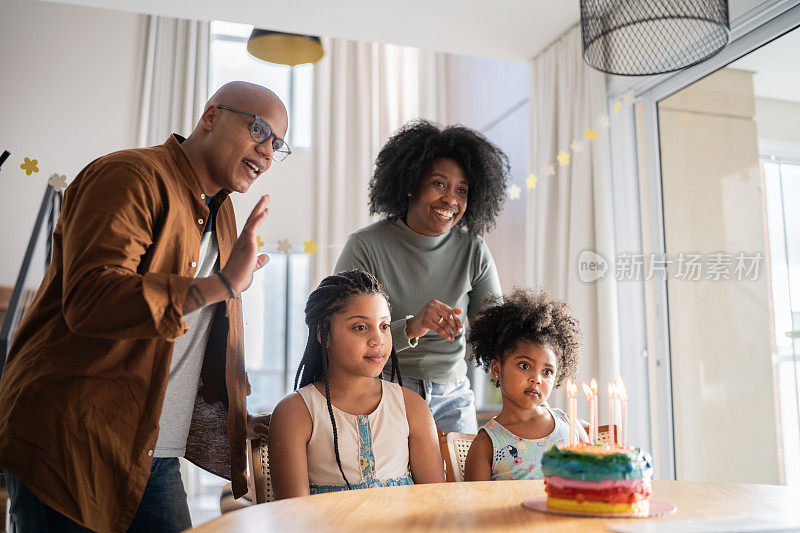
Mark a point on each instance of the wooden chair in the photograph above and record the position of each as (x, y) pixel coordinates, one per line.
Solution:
(607, 434)
(454, 447)
(260, 479)
(227, 503)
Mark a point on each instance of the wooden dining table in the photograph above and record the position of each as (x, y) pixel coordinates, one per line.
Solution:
(489, 506)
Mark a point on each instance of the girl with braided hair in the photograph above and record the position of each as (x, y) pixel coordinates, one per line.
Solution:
(344, 427)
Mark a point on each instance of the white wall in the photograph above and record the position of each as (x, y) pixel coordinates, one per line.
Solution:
(69, 79)
(778, 120)
(289, 186)
(478, 91)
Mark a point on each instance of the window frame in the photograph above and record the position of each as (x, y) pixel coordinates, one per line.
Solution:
(753, 30)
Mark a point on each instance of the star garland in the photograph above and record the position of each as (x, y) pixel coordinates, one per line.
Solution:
(59, 183)
(576, 146)
(31, 166)
(284, 246)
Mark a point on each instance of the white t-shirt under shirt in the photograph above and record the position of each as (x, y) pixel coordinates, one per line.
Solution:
(188, 352)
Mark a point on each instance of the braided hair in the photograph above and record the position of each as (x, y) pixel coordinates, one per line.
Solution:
(330, 298)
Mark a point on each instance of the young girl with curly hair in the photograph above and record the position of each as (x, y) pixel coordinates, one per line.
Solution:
(438, 189)
(344, 427)
(530, 343)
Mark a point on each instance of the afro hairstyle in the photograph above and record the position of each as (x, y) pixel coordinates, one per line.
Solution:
(526, 315)
(409, 153)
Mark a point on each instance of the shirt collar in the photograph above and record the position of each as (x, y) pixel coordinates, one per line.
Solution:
(173, 146)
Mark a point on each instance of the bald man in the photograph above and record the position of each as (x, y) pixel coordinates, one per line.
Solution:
(131, 354)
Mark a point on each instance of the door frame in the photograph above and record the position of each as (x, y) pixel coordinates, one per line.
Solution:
(753, 30)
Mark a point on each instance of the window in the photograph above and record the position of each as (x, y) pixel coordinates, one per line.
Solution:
(782, 188)
(274, 328)
(273, 306)
(229, 61)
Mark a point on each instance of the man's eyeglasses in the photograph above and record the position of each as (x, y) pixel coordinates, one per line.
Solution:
(261, 132)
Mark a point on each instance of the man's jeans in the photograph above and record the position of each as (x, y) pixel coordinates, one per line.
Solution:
(163, 507)
(452, 404)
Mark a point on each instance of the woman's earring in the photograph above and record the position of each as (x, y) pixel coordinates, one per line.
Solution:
(409, 195)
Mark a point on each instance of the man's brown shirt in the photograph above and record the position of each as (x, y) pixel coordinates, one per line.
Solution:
(81, 392)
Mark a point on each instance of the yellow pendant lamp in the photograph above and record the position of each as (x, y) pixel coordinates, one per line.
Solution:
(284, 48)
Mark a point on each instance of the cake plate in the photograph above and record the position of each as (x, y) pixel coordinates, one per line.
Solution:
(657, 509)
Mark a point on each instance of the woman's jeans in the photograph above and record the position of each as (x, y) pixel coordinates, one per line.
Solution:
(452, 404)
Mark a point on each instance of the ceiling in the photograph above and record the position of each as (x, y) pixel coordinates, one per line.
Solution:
(503, 29)
(775, 68)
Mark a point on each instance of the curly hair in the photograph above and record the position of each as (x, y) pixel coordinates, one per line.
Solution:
(526, 315)
(410, 152)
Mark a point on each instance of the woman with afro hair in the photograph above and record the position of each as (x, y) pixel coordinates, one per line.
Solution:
(438, 190)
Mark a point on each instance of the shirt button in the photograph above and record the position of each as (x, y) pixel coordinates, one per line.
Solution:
(199, 220)
(194, 264)
(150, 453)
(202, 196)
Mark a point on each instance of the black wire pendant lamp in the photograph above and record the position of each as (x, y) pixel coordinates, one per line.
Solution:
(642, 37)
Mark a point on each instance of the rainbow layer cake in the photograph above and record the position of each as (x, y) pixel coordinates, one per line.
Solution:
(598, 479)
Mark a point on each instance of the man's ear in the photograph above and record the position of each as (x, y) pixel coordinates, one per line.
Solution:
(209, 117)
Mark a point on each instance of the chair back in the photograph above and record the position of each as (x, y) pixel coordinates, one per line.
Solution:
(454, 447)
(260, 479)
(607, 434)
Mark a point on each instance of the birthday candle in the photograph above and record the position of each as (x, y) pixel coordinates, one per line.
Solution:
(617, 414)
(623, 398)
(587, 391)
(572, 391)
(611, 395)
(595, 409)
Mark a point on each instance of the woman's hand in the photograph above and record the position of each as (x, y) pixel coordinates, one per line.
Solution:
(437, 317)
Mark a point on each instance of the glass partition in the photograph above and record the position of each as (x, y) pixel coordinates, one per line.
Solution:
(732, 267)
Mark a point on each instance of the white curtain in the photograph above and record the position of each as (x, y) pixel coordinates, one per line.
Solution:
(572, 211)
(363, 93)
(174, 78)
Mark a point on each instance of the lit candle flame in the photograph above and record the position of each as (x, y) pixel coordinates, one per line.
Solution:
(572, 392)
(612, 390)
(572, 389)
(587, 391)
(620, 389)
(593, 385)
